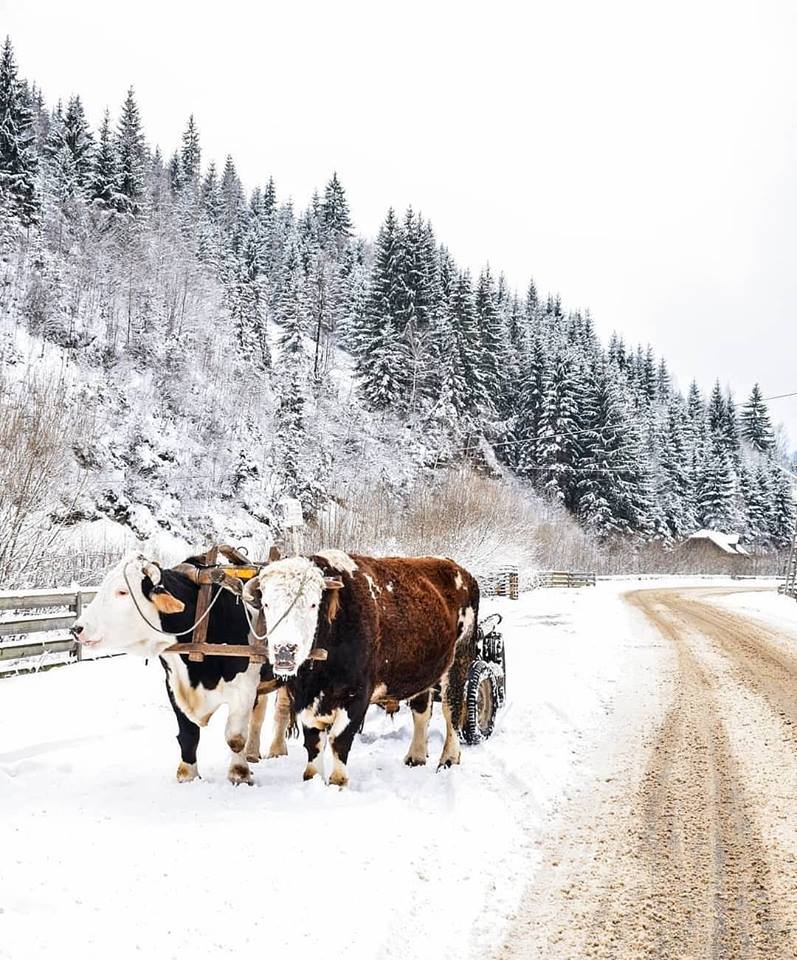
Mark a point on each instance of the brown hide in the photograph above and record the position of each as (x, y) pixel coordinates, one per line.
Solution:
(411, 630)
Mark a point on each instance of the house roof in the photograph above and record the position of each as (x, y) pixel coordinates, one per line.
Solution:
(727, 542)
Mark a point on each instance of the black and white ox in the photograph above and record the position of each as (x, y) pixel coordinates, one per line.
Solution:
(388, 629)
(140, 608)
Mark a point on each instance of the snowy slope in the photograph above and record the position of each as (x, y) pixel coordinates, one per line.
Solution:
(104, 852)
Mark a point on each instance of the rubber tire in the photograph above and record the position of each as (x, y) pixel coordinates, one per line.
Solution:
(480, 674)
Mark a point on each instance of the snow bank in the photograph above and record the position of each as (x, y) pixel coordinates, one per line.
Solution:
(106, 856)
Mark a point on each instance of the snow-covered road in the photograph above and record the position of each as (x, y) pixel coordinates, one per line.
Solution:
(102, 852)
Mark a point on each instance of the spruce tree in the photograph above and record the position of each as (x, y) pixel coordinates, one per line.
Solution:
(611, 489)
(716, 492)
(463, 327)
(79, 139)
(756, 427)
(17, 158)
(335, 210)
(558, 442)
(784, 508)
(380, 355)
(526, 433)
(231, 197)
(103, 182)
(289, 303)
(131, 157)
(491, 340)
(190, 154)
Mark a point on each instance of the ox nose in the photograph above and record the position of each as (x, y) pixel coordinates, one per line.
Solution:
(76, 629)
(285, 655)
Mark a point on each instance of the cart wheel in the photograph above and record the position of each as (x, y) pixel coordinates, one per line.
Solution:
(481, 703)
(502, 681)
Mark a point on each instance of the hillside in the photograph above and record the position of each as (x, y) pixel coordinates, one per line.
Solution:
(179, 354)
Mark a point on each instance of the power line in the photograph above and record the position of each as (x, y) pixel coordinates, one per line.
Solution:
(781, 396)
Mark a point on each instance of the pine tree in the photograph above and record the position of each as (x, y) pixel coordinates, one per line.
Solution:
(717, 411)
(490, 343)
(17, 158)
(289, 304)
(756, 427)
(534, 374)
(716, 491)
(231, 197)
(380, 355)
(610, 490)
(335, 210)
(784, 508)
(79, 139)
(190, 154)
(131, 157)
(103, 183)
(463, 348)
(558, 441)
(676, 492)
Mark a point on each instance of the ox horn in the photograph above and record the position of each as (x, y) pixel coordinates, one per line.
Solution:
(251, 593)
(333, 583)
(153, 571)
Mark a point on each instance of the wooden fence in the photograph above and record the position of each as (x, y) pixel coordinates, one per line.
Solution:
(39, 611)
(564, 578)
(503, 582)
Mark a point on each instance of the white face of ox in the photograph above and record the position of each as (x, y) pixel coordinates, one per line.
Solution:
(291, 591)
(112, 622)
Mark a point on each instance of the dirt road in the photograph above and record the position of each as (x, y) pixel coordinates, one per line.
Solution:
(688, 849)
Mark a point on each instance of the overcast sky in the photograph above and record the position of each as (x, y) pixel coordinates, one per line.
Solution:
(640, 158)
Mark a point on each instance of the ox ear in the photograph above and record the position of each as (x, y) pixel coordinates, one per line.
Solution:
(274, 553)
(252, 594)
(165, 602)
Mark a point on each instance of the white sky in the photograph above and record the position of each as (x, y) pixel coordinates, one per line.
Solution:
(638, 157)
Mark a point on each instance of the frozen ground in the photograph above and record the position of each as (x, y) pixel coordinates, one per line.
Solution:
(103, 855)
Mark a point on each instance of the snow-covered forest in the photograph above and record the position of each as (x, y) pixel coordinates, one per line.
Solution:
(179, 353)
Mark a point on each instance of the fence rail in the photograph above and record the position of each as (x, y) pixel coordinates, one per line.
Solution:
(565, 578)
(54, 611)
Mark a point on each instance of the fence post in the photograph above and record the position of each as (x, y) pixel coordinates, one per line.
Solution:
(78, 611)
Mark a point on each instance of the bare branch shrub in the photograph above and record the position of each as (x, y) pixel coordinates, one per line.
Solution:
(478, 521)
(37, 471)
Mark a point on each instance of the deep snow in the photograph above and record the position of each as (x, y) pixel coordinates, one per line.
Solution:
(103, 852)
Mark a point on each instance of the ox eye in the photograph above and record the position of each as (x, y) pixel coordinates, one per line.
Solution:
(313, 606)
(121, 593)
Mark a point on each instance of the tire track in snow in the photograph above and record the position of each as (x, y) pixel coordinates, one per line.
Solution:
(679, 854)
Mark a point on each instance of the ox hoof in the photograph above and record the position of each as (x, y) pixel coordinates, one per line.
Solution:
(240, 774)
(413, 761)
(446, 762)
(253, 758)
(277, 750)
(338, 779)
(186, 772)
(309, 772)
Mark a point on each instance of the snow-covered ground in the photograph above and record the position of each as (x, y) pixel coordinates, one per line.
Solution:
(766, 604)
(101, 850)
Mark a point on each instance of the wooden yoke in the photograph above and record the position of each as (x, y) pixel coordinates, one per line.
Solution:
(200, 633)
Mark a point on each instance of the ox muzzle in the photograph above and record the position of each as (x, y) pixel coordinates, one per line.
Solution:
(284, 658)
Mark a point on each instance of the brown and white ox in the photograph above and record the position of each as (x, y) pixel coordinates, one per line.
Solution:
(140, 608)
(392, 629)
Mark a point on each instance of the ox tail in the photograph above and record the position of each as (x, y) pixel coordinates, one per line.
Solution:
(464, 655)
